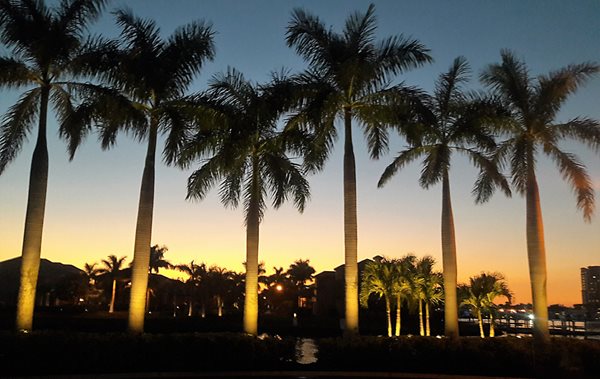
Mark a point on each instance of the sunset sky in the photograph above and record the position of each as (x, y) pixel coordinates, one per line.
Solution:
(92, 201)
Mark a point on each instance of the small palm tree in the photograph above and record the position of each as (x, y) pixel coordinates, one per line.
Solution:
(301, 272)
(380, 278)
(480, 294)
(406, 286)
(349, 76)
(112, 269)
(249, 156)
(91, 272)
(451, 121)
(218, 280)
(44, 44)
(148, 77)
(534, 105)
(429, 290)
(197, 275)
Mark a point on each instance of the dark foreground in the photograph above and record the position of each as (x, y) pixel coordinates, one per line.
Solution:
(220, 354)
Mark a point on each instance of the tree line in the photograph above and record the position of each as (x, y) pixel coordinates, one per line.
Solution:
(138, 82)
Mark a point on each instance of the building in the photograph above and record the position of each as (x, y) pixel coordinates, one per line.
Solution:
(590, 290)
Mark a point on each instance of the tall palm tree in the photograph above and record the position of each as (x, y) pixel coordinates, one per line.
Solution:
(197, 275)
(479, 295)
(451, 121)
(248, 155)
(148, 76)
(534, 105)
(112, 270)
(380, 278)
(429, 290)
(44, 44)
(349, 76)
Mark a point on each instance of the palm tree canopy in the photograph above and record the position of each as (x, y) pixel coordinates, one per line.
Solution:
(112, 266)
(453, 120)
(300, 272)
(157, 258)
(380, 277)
(430, 282)
(483, 290)
(351, 70)
(44, 45)
(147, 77)
(244, 150)
(197, 272)
(534, 105)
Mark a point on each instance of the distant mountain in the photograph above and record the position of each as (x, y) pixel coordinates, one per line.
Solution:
(51, 273)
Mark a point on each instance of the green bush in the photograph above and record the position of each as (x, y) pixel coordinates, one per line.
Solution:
(72, 353)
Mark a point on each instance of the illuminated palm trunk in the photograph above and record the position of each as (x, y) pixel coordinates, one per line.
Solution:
(388, 313)
(190, 310)
(480, 319)
(143, 236)
(252, 235)
(220, 306)
(350, 230)
(398, 315)
(421, 329)
(449, 262)
(492, 331)
(111, 307)
(536, 252)
(34, 223)
(427, 330)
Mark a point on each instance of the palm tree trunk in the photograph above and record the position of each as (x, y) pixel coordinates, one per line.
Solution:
(34, 222)
(480, 323)
(449, 262)
(190, 310)
(111, 308)
(203, 310)
(350, 229)
(421, 329)
(427, 330)
(220, 306)
(252, 237)
(143, 236)
(536, 252)
(492, 332)
(147, 300)
(388, 312)
(398, 315)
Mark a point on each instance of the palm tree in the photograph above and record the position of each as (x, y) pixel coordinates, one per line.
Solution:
(250, 159)
(197, 275)
(300, 272)
(91, 272)
(380, 278)
(44, 44)
(157, 259)
(349, 76)
(406, 285)
(112, 269)
(452, 121)
(534, 105)
(429, 290)
(148, 76)
(480, 294)
(218, 280)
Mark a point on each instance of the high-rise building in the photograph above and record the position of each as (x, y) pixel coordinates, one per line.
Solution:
(590, 285)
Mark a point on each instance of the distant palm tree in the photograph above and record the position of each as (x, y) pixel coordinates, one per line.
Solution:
(148, 76)
(380, 278)
(157, 259)
(91, 272)
(451, 121)
(500, 288)
(197, 276)
(480, 294)
(44, 44)
(112, 269)
(534, 106)
(301, 272)
(218, 279)
(349, 75)
(249, 157)
(430, 290)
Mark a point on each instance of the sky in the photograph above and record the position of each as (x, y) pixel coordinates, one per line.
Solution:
(92, 201)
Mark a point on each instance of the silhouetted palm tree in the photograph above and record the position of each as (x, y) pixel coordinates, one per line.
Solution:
(301, 272)
(112, 269)
(380, 277)
(44, 44)
(430, 290)
(197, 275)
(157, 259)
(248, 155)
(451, 121)
(218, 280)
(534, 105)
(349, 75)
(91, 272)
(149, 76)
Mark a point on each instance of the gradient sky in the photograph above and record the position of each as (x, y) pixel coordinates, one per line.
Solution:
(92, 201)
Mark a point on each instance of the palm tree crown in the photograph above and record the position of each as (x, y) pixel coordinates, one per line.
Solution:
(349, 75)
(534, 105)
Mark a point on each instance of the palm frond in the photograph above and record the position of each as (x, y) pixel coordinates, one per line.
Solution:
(404, 157)
(489, 176)
(74, 15)
(307, 34)
(584, 130)
(15, 73)
(435, 164)
(448, 86)
(17, 124)
(359, 30)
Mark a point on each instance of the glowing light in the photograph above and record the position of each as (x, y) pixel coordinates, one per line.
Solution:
(279, 288)
(531, 316)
